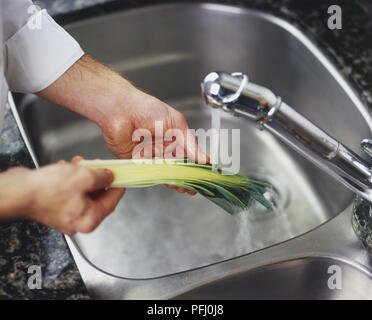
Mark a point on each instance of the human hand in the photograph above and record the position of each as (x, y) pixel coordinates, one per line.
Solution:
(68, 197)
(141, 113)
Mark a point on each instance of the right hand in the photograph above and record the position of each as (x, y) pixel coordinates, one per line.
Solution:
(62, 197)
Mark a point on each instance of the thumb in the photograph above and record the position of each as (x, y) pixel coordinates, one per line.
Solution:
(102, 179)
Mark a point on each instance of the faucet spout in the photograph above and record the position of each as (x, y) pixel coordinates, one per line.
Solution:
(233, 93)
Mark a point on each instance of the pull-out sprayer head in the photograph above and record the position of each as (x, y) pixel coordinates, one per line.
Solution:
(234, 93)
(216, 95)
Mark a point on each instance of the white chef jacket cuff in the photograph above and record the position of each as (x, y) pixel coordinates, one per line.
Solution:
(36, 57)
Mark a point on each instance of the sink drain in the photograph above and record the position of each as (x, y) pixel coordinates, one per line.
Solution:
(277, 195)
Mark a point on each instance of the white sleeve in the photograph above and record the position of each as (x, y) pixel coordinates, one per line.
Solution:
(37, 50)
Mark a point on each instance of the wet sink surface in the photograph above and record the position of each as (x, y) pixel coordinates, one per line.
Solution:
(166, 50)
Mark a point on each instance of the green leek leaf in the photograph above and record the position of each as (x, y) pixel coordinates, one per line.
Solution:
(233, 193)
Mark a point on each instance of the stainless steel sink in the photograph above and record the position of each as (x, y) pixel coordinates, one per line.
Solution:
(160, 244)
(305, 278)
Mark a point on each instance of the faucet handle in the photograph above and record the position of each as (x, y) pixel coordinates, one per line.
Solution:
(366, 145)
(235, 96)
(214, 91)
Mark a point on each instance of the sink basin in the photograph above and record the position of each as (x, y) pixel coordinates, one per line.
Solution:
(156, 236)
(302, 278)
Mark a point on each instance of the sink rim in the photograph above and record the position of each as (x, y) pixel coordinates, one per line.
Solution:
(331, 259)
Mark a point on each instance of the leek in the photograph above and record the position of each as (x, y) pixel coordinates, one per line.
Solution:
(233, 193)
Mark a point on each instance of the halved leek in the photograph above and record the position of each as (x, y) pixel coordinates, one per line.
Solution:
(231, 192)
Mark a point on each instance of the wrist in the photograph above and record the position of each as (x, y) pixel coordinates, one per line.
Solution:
(27, 191)
(17, 190)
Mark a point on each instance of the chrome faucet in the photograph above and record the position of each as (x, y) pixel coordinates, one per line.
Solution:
(234, 94)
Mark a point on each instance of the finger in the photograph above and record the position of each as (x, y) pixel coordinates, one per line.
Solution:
(67, 232)
(99, 209)
(90, 220)
(174, 187)
(102, 179)
(77, 159)
(189, 145)
(95, 194)
(191, 193)
(192, 149)
(109, 200)
(183, 190)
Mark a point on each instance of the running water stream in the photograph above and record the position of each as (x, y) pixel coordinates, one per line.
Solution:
(258, 227)
(215, 139)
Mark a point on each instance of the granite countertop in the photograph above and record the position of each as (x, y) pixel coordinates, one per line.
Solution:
(24, 243)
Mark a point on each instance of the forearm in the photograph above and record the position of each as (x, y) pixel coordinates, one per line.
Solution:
(92, 90)
(118, 108)
(15, 192)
